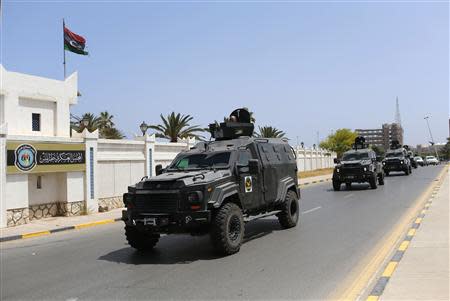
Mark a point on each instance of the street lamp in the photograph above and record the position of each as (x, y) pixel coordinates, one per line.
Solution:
(431, 136)
(314, 146)
(84, 123)
(302, 144)
(144, 127)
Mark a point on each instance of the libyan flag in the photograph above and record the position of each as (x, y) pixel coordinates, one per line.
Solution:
(73, 42)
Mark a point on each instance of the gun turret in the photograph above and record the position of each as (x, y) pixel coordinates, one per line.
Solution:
(237, 125)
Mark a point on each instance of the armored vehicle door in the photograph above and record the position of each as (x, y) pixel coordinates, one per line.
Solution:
(250, 191)
(270, 172)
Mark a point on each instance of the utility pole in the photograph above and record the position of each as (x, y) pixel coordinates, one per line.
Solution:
(431, 136)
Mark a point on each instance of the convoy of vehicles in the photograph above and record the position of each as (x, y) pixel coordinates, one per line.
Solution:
(358, 165)
(215, 187)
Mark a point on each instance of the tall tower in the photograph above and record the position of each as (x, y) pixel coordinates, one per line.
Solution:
(398, 119)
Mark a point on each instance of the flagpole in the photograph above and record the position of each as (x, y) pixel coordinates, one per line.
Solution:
(64, 51)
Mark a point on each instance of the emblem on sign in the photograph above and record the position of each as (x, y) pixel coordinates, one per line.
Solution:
(248, 184)
(25, 157)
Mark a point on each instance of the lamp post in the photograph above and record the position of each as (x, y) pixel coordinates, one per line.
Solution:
(431, 136)
(144, 127)
(84, 123)
(302, 144)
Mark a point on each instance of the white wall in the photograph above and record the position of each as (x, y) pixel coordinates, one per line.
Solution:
(2, 109)
(53, 188)
(16, 191)
(74, 186)
(26, 108)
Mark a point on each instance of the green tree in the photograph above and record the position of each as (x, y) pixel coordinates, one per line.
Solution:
(339, 142)
(111, 133)
(269, 132)
(176, 126)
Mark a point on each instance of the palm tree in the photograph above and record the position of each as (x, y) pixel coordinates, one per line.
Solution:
(111, 133)
(105, 120)
(176, 126)
(269, 132)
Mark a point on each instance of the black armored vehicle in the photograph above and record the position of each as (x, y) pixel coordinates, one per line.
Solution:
(397, 159)
(358, 165)
(215, 187)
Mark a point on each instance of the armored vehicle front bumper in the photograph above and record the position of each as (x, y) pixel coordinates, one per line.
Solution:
(167, 222)
(352, 174)
(394, 165)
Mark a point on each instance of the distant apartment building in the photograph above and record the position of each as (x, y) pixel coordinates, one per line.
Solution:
(384, 136)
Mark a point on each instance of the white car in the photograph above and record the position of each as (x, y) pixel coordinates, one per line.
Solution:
(431, 160)
(419, 160)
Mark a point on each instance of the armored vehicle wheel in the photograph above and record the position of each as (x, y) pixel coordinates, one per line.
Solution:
(373, 182)
(336, 185)
(348, 186)
(288, 217)
(140, 240)
(381, 179)
(227, 229)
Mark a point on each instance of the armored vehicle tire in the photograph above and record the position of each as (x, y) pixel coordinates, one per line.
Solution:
(140, 240)
(381, 179)
(288, 217)
(227, 229)
(373, 182)
(348, 186)
(336, 185)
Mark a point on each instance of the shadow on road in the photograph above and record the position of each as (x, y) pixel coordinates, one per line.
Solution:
(184, 249)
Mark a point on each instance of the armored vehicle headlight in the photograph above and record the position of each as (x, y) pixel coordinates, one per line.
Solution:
(337, 169)
(401, 162)
(195, 197)
(384, 163)
(365, 168)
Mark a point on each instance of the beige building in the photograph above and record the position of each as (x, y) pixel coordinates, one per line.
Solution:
(384, 136)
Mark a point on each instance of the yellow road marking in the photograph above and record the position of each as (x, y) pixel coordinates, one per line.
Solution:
(358, 280)
(372, 298)
(35, 234)
(418, 220)
(86, 225)
(389, 270)
(404, 245)
(412, 232)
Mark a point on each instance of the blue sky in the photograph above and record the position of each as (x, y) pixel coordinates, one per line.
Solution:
(302, 67)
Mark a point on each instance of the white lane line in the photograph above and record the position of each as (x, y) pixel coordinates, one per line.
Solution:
(349, 195)
(311, 210)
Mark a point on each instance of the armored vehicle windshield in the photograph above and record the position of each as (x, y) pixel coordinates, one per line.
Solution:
(355, 155)
(201, 161)
(394, 154)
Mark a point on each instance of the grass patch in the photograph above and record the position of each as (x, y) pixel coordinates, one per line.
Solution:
(314, 173)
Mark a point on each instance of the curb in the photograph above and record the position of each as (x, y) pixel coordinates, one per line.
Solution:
(392, 264)
(314, 182)
(56, 230)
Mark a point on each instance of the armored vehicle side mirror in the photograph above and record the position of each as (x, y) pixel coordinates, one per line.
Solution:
(253, 166)
(336, 161)
(158, 169)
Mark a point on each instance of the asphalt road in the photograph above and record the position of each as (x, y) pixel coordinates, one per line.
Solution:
(336, 230)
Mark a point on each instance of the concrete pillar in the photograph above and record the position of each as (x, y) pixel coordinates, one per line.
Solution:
(150, 155)
(3, 216)
(90, 183)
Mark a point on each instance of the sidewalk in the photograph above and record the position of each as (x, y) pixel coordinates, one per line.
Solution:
(313, 180)
(423, 272)
(58, 224)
